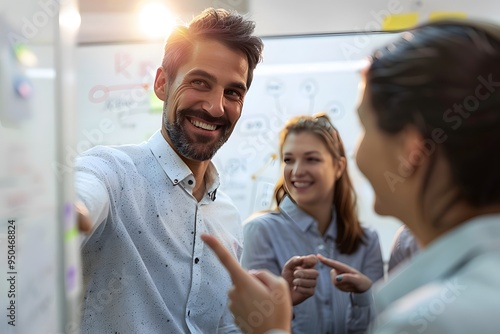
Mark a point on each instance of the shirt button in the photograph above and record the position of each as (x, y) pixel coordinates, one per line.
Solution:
(196, 260)
(190, 182)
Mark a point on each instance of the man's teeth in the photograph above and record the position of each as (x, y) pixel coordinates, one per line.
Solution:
(204, 126)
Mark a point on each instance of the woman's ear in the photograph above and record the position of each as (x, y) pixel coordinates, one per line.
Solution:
(414, 151)
(160, 86)
(341, 163)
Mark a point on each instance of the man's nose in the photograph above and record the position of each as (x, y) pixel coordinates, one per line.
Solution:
(214, 104)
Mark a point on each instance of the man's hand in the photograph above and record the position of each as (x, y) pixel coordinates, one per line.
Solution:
(346, 278)
(301, 276)
(83, 217)
(259, 295)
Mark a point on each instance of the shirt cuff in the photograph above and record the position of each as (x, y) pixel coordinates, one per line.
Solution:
(94, 195)
(361, 299)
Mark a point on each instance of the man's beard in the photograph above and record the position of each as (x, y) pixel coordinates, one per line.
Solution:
(186, 146)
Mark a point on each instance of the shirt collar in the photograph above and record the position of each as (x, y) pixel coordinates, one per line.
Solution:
(303, 220)
(441, 258)
(175, 168)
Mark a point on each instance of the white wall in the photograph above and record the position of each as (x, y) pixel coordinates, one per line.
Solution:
(289, 17)
(273, 17)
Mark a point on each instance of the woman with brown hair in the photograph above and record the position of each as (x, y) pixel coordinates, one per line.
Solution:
(316, 214)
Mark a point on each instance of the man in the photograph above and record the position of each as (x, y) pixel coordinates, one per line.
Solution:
(145, 267)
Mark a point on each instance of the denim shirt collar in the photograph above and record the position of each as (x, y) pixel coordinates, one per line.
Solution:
(305, 221)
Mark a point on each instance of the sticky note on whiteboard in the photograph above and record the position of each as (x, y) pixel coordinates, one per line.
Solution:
(447, 15)
(400, 21)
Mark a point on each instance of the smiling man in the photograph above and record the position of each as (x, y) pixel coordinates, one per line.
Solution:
(145, 206)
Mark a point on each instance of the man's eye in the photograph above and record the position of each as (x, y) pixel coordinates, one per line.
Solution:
(199, 83)
(233, 93)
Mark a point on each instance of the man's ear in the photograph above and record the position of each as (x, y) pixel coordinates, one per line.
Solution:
(161, 84)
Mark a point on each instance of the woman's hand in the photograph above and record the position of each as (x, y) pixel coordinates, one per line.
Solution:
(346, 278)
(301, 275)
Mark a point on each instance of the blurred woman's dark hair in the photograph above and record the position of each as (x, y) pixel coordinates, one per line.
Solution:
(445, 76)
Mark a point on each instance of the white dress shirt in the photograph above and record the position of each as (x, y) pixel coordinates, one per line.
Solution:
(145, 267)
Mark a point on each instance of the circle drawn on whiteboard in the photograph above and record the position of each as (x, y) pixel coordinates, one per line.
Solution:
(335, 110)
(253, 125)
(275, 87)
(309, 88)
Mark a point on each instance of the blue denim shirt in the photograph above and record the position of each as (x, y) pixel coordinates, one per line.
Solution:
(271, 239)
(451, 286)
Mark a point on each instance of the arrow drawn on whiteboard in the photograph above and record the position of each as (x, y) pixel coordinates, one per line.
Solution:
(100, 93)
(309, 88)
(261, 170)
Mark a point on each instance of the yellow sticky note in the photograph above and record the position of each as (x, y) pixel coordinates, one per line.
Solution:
(447, 15)
(400, 21)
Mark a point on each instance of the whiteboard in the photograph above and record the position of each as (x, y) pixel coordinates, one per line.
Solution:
(299, 75)
(115, 98)
(39, 258)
